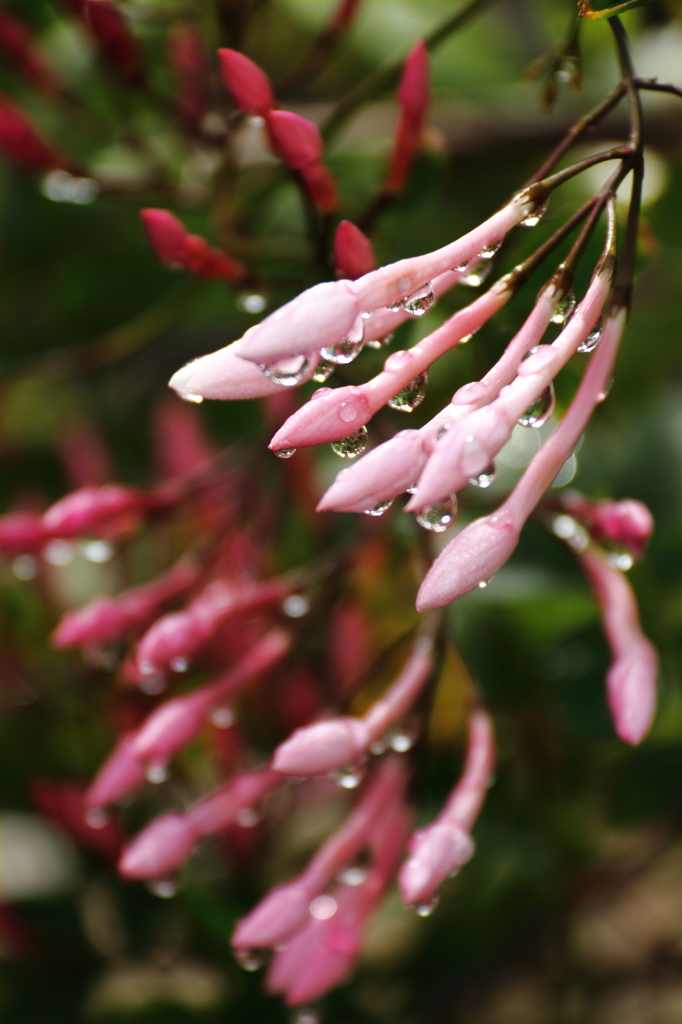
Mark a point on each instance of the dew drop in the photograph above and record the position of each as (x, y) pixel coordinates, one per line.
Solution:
(401, 741)
(461, 267)
(251, 302)
(165, 888)
(25, 567)
(323, 907)
(187, 396)
(323, 371)
(426, 907)
(621, 559)
(249, 959)
(247, 817)
(437, 518)
(564, 308)
(347, 411)
(490, 250)
(466, 338)
(222, 718)
(351, 876)
(477, 274)
(605, 393)
(536, 215)
(348, 777)
(346, 351)
(483, 584)
(380, 342)
(58, 552)
(157, 773)
(306, 1015)
(95, 817)
(352, 446)
(564, 527)
(485, 478)
(296, 606)
(592, 339)
(179, 664)
(379, 509)
(152, 684)
(540, 410)
(287, 372)
(420, 301)
(412, 395)
(412, 489)
(285, 453)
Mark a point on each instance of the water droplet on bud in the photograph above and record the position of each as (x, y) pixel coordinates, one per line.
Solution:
(348, 777)
(287, 372)
(485, 478)
(564, 308)
(427, 907)
(285, 453)
(620, 559)
(95, 817)
(490, 250)
(306, 1015)
(412, 395)
(477, 274)
(249, 959)
(189, 397)
(158, 773)
(179, 664)
(379, 509)
(592, 339)
(346, 351)
(222, 718)
(540, 410)
(380, 342)
(251, 302)
(164, 888)
(437, 518)
(420, 301)
(351, 876)
(536, 215)
(352, 446)
(461, 267)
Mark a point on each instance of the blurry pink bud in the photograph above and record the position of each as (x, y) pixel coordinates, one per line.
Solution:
(84, 455)
(181, 446)
(319, 748)
(204, 260)
(98, 621)
(247, 82)
(298, 139)
(381, 475)
(436, 852)
(166, 234)
(172, 726)
(16, 45)
(109, 27)
(281, 913)
(413, 91)
(159, 850)
(353, 253)
(320, 186)
(120, 774)
(64, 803)
(90, 509)
(21, 532)
(187, 58)
(21, 144)
(330, 961)
(627, 523)
(214, 813)
(469, 560)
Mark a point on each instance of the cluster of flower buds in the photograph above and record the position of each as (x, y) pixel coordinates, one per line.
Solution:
(293, 137)
(177, 248)
(18, 48)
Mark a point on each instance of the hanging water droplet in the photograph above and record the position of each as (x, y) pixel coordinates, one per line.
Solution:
(95, 817)
(296, 606)
(179, 664)
(152, 684)
(477, 274)
(490, 250)
(620, 559)
(427, 907)
(466, 339)
(564, 308)
(285, 453)
(249, 959)
(536, 215)
(437, 518)
(401, 741)
(420, 301)
(592, 339)
(461, 267)
(306, 1015)
(187, 396)
(346, 351)
(564, 527)
(247, 817)
(251, 302)
(605, 393)
(353, 445)
(25, 567)
(351, 876)
(540, 410)
(412, 489)
(348, 777)
(380, 342)
(222, 718)
(412, 395)
(485, 478)
(287, 372)
(379, 509)
(157, 773)
(164, 888)
(323, 907)
(323, 371)
(483, 584)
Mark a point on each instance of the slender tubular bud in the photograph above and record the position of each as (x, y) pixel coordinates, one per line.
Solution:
(177, 248)
(215, 812)
(298, 139)
(249, 85)
(624, 524)
(187, 57)
(120, 774)
(91, 509)
(631, 678)
(413, 96)
(22, 532)
(159, 850)
(353, 253)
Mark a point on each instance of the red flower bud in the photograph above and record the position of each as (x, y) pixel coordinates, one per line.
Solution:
(413, 91)
(21, 532)
(320, 185)
(17, 46)
(92, 509)
(20, 142)
(115, 39)
(166, 234)
(176, 247)
(298, 139)
(249, 85)
(187, 58)
(353, 254)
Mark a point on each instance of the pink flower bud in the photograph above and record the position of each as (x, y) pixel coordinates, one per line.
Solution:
(159, 850)
(436, 853)
(109, 27)
(214, 813)
(333, 413)
(91, 509)
(353, 253)
(187, 58)
(320, 186)
(120, 774)
(166, 234)
(21, 144)
(281, 913)
(627, 523)
(247, 82)
(98, 621)
(297, 138)
(379, 476)
(317, 749)
(413, 91)
(17, 46)
(21, 532)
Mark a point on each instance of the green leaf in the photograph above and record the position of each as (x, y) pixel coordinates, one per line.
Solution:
(598, 9)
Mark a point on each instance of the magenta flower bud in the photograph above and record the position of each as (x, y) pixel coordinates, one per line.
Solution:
(109, 28)
(187, 57)
(379, 476)
(21, 144)
(21, 532)
(214, 813)
(353, 253)
(413, 91)
(322, 747)
(98, 621)
(298, 139)
(159, 850)
(413, 96)
(328, 964)
(166, 234)
(628, 524)
(120, 774)
(436, 853)
(249, 85)
(281, 913)
(172, 726)
(320, 186)
(90, 509)
(469, 560)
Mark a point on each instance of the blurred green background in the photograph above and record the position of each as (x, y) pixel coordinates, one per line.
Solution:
(571, 910)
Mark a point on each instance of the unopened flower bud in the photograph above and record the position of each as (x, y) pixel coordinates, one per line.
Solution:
(249, 85)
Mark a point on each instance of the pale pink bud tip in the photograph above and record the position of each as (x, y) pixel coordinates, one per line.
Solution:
(298, 138)
(159, 850)
(437, 852)
(322, 747)
(470, 559)
(247, 82)
(281, 913)
(353, 253)
(631, 685)
(413, 91)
